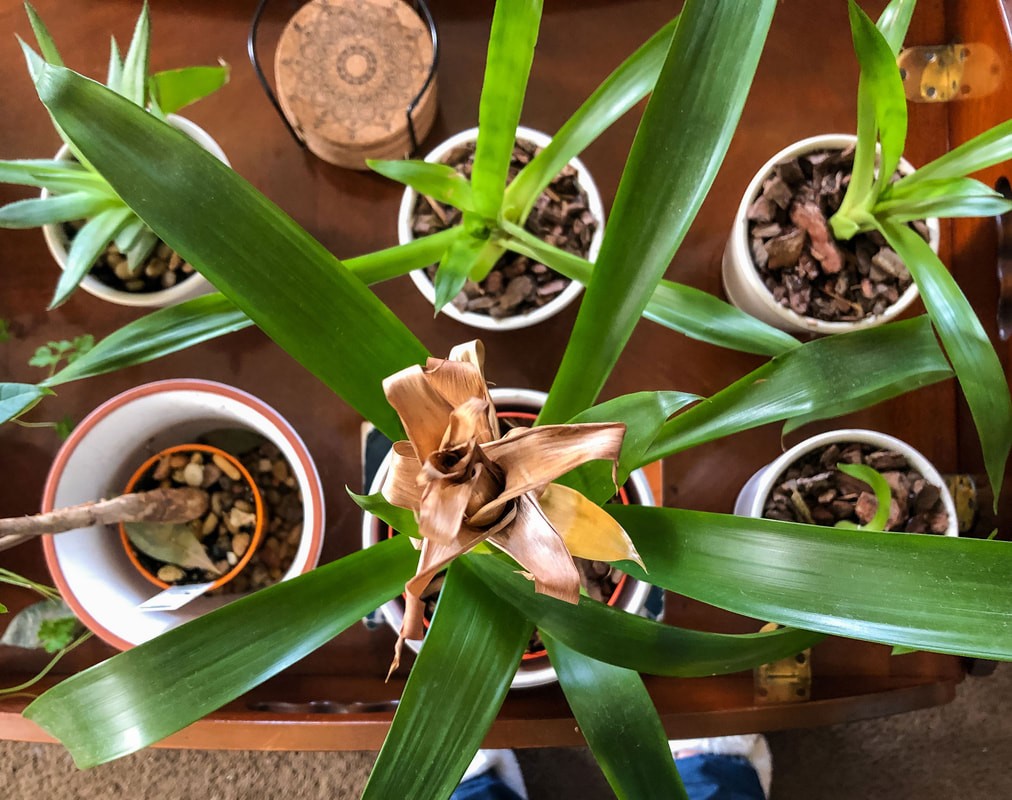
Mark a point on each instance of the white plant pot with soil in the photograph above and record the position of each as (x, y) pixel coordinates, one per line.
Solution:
(755, 499)
(188, 286)
(422, 281)
(746, 289)
(90, 566)
(630, 595)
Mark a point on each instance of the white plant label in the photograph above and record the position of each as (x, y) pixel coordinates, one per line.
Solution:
(175, 597)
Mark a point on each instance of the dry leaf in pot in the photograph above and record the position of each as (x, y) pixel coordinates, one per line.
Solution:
(212, 548)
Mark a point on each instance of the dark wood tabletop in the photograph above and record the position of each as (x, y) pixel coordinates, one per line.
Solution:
(805, 85)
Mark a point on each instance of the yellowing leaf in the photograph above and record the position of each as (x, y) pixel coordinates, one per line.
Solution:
(172, 543)
(586, 528)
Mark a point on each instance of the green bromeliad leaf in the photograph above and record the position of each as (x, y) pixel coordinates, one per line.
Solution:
(621, 725)
(459, 681)
(697, 101)
(322, 314)
(819, 380)
(140, 696)
(938, 593)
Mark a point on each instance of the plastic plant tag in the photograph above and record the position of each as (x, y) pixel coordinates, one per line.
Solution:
(175, 597)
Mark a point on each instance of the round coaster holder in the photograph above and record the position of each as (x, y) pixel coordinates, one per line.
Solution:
(427, 113)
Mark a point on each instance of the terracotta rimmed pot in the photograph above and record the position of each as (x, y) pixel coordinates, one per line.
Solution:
(484, 321)
(752, 499)
(194, 285)
(744, 286)
(144, 475)
(630, 594)
(89, 566)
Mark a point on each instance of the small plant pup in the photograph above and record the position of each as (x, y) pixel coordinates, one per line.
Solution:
(940, 188)
(75, 190)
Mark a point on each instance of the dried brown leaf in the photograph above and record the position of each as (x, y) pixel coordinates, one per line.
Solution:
(531, 458)
(400, 488)
(534, 544)
(424, 412)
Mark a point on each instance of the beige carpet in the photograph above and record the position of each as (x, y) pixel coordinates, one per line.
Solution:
(957, 752)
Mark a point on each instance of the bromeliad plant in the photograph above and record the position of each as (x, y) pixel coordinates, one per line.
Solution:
(934, 593)
(76, 190)
(874, 201)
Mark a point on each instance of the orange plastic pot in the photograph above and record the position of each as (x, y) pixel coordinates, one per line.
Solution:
(258, 531)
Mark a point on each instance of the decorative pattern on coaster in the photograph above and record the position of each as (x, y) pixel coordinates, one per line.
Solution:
(347, 71)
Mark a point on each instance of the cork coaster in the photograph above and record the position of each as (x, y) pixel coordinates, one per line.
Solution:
(346, 72)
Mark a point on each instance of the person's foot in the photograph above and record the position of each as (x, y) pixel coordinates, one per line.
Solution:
(753, 747)
(502, 764)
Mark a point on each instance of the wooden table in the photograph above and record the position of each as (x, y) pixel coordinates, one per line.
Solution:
(805, 85)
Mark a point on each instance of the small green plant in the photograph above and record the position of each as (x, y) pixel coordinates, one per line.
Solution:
(940, 189)
(75, 190)
(52, 353)
(883, 497)
(5, 331)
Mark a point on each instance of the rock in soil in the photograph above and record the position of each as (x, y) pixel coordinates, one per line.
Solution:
(517, 284)
(219, 528)
(162, 269)
(282, 500)
(799, 261)
(813, 490)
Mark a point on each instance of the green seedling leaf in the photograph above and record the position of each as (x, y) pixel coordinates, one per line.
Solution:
(901, 650)
(991, 147)
(26, 629)
(508, 64)
(173, 543)
(619, 92)
(438, 181)
(174, 89)
(16, 398)
(3, 608)
(883, 496)
(87, 246)
(114, 79)
(65, 426)
(894, 22)
(43, 37)
(56, 634)
(5, 330)
(157, 334)
(882, 118)
(135, 65)
(454, 268)
(37, 211)
(59, 177)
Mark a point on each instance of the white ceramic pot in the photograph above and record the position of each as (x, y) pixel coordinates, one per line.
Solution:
(193, 286)
(752, 498)
(484, 321)
(632, 594)
(742, 283)
(90, 566)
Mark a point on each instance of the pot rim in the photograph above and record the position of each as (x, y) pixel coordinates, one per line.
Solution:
(312, 492)
(738, 258)
(192, 286)
(762, 482)
(255, 538)
(484, 321)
